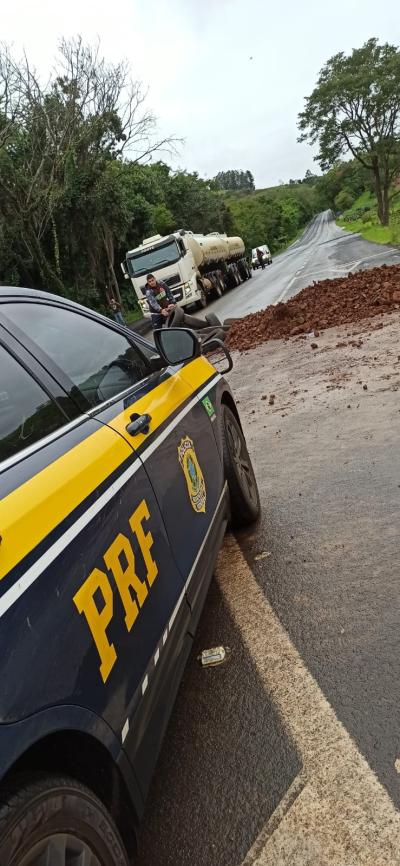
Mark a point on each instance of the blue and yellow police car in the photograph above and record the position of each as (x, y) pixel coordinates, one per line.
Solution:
(120, 468)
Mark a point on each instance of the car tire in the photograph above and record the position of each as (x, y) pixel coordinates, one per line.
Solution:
(58, 818)
(239, 472)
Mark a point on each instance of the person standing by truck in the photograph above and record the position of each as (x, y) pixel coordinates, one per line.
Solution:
(160, 300)
(116, 312)
(260, 256)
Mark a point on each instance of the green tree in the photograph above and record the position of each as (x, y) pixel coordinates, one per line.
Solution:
(344, 200)
(355, 108)
(196, 206)
(350, 177)
(234, 180)
(58, 197)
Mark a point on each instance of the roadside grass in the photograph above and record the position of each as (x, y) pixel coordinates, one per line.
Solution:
(370, 231)
(132, 316)
(362, 217)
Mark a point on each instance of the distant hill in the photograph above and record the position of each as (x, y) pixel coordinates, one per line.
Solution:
(274, 215)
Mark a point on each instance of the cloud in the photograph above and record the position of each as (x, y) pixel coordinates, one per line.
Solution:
(194, 56)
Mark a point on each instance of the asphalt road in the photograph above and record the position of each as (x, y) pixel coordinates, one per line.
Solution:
(323, 252)
(289, 752)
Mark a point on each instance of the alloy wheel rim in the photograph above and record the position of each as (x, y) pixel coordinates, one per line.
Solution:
(60, 849)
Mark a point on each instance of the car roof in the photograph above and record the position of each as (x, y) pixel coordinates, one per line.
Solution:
(20, 292)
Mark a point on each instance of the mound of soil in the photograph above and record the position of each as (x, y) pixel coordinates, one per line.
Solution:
(321, 305)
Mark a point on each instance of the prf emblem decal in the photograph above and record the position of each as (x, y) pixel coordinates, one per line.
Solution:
(194, 477)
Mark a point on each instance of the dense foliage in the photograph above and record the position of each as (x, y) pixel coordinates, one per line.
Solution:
(76, 185)
(354, 110)
(83, 178)
(273, 216)
(339, 187)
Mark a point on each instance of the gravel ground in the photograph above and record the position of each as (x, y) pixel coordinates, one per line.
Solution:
(288, 755)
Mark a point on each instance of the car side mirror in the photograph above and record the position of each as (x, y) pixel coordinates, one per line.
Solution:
(217, 354)
(124, 270)
(177, 345)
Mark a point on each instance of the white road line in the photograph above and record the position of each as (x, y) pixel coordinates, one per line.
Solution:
(290, 283)
(342, 816)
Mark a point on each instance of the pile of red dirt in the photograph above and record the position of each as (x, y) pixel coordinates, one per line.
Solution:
(322, 305)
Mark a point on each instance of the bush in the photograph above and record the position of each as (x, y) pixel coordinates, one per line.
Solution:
(357, 213)
(368, 217)
(395, 227)
(344, 200)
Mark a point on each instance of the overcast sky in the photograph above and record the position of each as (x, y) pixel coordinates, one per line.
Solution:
(228, 76)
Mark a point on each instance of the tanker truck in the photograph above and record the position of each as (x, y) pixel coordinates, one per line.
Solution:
(195, 267)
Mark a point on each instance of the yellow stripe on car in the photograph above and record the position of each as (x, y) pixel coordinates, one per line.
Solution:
(162, 401)
(33, 510)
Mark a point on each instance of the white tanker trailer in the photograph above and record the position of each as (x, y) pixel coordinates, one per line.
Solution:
(195, 267)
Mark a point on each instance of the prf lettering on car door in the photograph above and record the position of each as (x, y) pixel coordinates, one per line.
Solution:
(119, 559)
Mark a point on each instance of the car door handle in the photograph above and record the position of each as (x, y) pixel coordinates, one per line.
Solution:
(138, 424)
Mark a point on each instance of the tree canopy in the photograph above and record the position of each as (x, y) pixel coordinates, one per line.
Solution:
(355, 109)
(79, 184)
(234, 180)
(83, 179)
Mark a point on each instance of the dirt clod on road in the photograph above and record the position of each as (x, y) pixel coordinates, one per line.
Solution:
(322, 305)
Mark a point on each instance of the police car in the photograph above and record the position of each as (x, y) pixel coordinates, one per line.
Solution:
(119, 472)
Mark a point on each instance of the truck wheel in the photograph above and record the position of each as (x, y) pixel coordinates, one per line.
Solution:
(243, 271)
(218, 288)
(57, 820)
(202, 302)
(239, 472)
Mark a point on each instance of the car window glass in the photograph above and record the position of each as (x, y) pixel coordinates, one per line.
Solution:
(100, 361)
(27, 413)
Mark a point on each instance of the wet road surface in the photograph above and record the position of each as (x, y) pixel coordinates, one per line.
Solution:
(226, 762)
(323, 252)
(289, 752)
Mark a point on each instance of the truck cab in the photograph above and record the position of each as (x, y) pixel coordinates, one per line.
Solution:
(170, 259)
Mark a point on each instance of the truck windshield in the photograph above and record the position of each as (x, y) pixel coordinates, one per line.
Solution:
(150, 260)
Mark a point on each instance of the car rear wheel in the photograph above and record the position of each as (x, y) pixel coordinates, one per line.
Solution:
(239, 472)
(56, 821)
